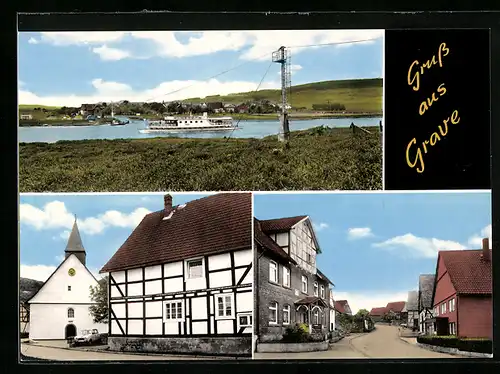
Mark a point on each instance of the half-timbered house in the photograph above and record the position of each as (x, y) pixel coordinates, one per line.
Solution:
(425, 309)
(182, 281)
(290, 289)
(412, 310)
(27, 288)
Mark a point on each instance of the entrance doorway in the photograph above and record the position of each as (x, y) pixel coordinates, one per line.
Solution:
(70, 331)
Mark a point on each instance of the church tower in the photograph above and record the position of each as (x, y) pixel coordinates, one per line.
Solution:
(75, 245)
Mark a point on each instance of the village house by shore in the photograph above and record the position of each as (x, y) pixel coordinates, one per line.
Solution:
(182, 281)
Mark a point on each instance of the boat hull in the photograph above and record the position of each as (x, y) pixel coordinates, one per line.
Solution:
(177, 129)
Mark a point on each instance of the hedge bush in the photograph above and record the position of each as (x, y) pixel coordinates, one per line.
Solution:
(478, 345)
(299, 334)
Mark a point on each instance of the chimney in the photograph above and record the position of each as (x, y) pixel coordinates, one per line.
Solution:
(167, 199)
(486, 249)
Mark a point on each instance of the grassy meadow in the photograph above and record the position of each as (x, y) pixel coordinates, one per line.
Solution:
(316, 159)
(358, 95)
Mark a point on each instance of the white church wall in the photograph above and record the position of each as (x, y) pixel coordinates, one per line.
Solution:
(49, 321)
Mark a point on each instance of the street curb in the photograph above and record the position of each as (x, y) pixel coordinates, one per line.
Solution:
(139, 354)
(453, 351)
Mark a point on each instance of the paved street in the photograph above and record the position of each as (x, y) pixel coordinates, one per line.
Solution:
(383, 342)
(61, 354)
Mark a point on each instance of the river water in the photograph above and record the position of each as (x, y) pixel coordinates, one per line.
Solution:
(246, 129)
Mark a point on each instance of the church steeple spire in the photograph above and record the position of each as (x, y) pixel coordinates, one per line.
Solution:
(75, 245)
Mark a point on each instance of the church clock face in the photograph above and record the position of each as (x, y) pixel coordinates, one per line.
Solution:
(71, 272)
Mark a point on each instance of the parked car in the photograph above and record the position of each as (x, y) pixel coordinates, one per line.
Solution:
(87, 337)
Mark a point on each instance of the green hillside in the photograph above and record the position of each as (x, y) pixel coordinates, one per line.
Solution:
(358, 95)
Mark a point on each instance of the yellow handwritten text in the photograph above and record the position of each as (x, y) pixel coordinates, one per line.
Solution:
(414, 73)
(418, 159)
(427, 103)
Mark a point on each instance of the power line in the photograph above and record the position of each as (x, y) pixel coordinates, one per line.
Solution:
(333, 43)
(258, 86)
(212, 77)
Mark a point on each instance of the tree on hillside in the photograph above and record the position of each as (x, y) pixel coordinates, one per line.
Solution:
(99, 295)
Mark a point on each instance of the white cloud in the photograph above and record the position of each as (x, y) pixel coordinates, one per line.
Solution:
(320, 226)
(168, 91)
(55, 215)
(253, 44)
(33, 41)
(81, 37)
(62, 236)
(476, 240)
(419, 247)
(37, 272)
(110, 54)
(359, 232)
(369, 299)
(43, 272)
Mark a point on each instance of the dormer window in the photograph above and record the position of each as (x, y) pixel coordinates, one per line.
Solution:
(195, 268)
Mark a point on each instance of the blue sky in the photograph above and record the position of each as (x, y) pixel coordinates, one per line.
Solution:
(375, 245)
(70, 68)
(104, 221)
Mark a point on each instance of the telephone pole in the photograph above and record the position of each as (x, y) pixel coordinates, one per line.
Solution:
(282, 56)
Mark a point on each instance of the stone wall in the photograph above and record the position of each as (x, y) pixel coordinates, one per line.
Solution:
(220, 346)
(268, 292)
(292, 347)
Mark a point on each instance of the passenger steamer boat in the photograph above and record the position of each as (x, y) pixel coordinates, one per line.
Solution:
(190, 123)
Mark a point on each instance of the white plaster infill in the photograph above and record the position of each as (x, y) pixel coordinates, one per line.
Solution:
(280, 347)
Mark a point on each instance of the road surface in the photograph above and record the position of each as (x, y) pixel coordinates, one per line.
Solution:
(383, 342)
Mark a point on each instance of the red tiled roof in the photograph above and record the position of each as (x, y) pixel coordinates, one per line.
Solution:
(469, 273)
(396, 306)
(268, 243)
(340, 306)
(378, 311)
(213, 224)
(280, 224)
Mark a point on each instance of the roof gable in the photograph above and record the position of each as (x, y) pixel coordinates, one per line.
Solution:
(55, 288)
(210, 225)
(468, 271)
(280, 224)
(268, 243)
(412, 302)
(396, 306)
(378, 311)
(425, 290)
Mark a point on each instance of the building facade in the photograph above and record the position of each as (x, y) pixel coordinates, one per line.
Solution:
(60, 308)
(290, 289)
(425, 309)
(462, 296)
(182, 281)
(27, 288)
(412, 310)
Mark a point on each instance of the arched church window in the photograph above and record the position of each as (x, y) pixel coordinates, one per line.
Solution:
(71, 313)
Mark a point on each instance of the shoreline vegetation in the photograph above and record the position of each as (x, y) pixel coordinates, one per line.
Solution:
(319, 158)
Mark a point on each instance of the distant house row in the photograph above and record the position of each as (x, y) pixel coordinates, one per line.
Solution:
(455, 300)
(395, 310)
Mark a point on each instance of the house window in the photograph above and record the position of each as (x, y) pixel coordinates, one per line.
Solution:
(174, 311)
(436, 311)
(286, 315)
(316, 289)
(443, 308)
(195, 268)
(452, 305)
(273, 313)
(286, 277)
(304, 284)
(225, 306)
(69, 288)
(309, 258)
(322, 290)
(316, 317)
(273, 272)
(71, 313)
(244, 320)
